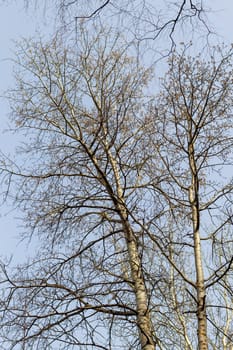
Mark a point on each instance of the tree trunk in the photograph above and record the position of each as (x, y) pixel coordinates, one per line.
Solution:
(200, 286)
(143, 316)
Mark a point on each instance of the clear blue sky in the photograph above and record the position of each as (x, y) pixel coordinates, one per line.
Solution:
(15, 23)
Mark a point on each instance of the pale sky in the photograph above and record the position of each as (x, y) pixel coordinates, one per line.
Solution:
(14, 24)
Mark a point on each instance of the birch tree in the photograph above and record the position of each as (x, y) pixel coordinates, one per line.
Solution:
(78, 177)
(192, 120)
(127, 194)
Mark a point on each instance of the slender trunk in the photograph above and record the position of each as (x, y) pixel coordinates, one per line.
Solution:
(200, 286)
(143, 316)
(144, 323)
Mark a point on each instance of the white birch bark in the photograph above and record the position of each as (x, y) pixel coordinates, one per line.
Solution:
(200, 286)
(143, 316)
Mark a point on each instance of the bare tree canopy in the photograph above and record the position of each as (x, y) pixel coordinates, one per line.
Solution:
(162, 21)
(146, 18)
(193, 137)
(128, 194)
(86, 108)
